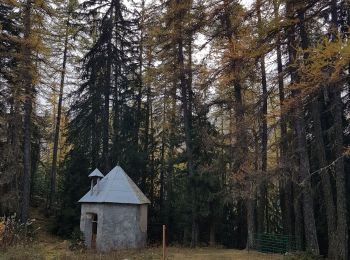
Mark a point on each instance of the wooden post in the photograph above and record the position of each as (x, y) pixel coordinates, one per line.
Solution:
(163, 242)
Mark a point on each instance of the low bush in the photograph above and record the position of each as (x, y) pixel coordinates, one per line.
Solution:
(13, 232)
(77, 242)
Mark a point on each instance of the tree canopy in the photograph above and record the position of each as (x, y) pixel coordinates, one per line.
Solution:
(232, 118)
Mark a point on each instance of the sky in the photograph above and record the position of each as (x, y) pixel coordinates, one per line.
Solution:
(247, 2)
(42, 99)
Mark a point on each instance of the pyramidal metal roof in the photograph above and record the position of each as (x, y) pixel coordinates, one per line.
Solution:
(96, 173)
(115, 187)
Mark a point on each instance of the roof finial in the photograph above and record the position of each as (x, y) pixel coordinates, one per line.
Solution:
(118, 163)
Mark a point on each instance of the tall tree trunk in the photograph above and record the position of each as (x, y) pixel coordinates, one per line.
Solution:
(212, 240)
(325, 179)
(262, 204)
(251, 223)
(107, 90)
(162, 159)
(251, 201)
(95, 140)
(152, 155)
(185, 89)
(304, 164)
(304, 171)
(142, 173)
(212, 225)
(16, 151)
(117, 111)
(342, 227)
(58, 122)
(321, 153)
(171, 156)
(299, 225)
(147, 148)
(285, 184)
(185, 105)
(241, 136)
(188, 139)
(28, 86)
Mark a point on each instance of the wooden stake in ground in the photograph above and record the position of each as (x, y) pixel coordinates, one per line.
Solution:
(163, 242)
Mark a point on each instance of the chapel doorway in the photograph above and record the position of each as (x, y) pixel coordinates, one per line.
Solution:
(94, 231)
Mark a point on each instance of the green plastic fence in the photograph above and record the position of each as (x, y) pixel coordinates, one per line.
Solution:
(274, 243)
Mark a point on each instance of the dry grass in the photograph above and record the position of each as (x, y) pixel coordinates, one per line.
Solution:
(61, 251)
(50, 247)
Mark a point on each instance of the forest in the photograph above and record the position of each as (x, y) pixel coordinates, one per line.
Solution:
(231, 116)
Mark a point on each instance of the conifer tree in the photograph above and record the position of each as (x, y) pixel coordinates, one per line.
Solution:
(10, 122)
(68, 10)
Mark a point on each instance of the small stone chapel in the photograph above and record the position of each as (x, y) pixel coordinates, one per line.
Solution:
(113, 212)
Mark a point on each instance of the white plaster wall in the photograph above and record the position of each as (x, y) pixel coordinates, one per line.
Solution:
(119, 225)
(86, 223)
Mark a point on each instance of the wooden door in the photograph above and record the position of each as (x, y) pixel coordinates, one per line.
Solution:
(94, 231)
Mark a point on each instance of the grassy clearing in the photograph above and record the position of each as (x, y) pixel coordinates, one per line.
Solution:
(61, 251)
(47, 247)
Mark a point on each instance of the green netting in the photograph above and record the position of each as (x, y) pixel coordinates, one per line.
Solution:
(274, 243)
